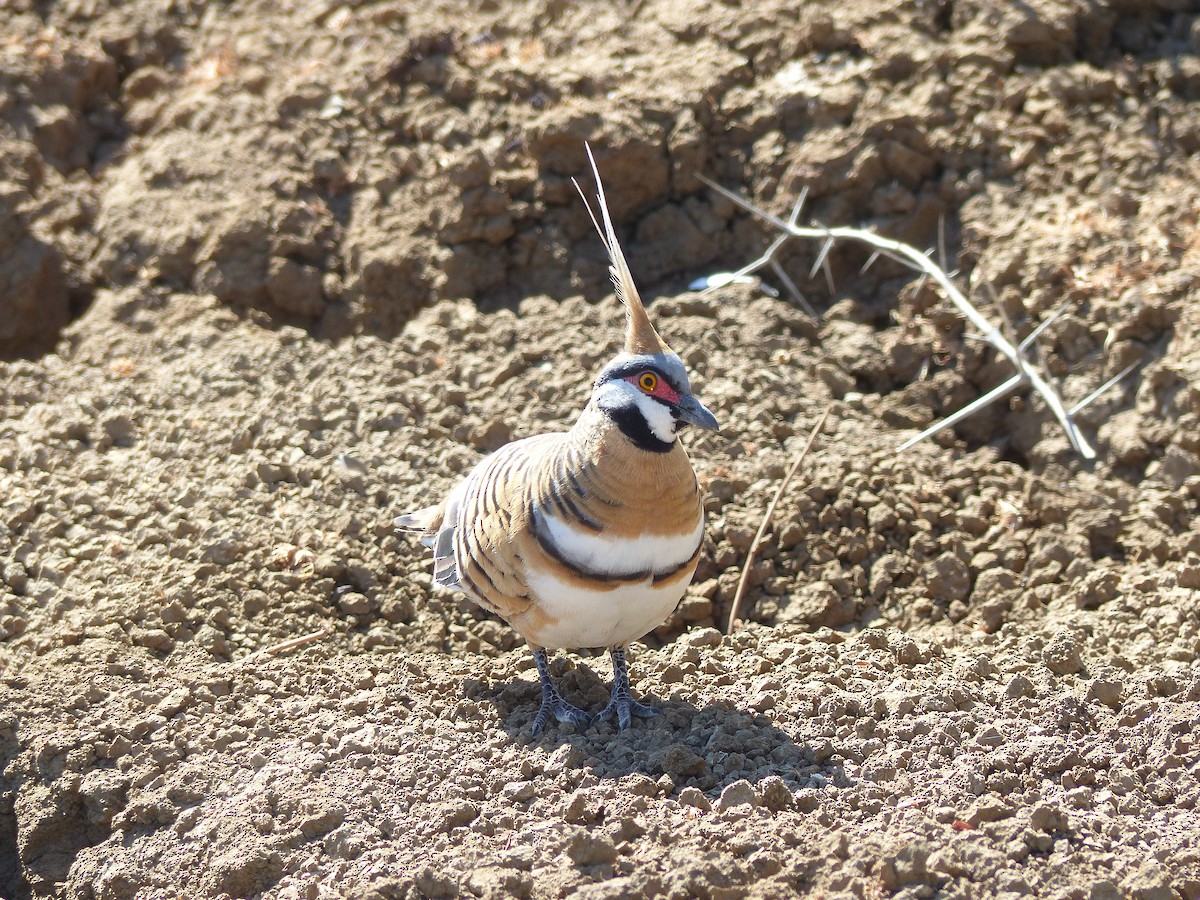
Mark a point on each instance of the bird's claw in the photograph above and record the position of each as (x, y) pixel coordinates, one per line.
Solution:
(558, 708)
(623, 709)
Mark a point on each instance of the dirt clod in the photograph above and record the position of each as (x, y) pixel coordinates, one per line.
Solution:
(1062, 655)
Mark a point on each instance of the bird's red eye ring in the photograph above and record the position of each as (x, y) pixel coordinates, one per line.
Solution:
(648, 382)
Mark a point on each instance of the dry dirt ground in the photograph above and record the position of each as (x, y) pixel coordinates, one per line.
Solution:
(271, 273)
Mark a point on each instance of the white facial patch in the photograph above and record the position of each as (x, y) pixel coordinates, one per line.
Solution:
(621, 394)
(662, 424)
(601, 553)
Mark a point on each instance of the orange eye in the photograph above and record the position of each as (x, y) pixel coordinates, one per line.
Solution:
(648, 381)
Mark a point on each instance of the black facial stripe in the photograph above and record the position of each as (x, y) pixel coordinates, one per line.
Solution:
(635, 427)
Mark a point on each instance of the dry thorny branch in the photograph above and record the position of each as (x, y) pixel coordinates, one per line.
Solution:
(921, 262)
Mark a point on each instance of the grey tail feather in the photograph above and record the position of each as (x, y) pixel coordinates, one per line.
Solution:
(422, 522)
(445, 563)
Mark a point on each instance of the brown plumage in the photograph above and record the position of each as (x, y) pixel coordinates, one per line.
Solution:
(585, 538)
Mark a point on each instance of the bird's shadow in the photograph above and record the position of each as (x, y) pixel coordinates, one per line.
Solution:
(705, 747)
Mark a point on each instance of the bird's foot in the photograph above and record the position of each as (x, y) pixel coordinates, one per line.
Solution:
(621, 704)
(623, 708)
(554, 706)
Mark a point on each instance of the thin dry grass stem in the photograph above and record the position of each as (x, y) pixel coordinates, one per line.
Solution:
(752, 553)
(276, 649)
(920, 261)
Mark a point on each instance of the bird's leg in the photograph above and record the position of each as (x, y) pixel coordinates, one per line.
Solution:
(553, 703)
(621, 704)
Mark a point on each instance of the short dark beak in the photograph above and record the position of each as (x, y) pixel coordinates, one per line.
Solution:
(692, 411)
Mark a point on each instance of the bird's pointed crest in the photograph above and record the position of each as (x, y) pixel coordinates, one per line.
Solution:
(640, 335)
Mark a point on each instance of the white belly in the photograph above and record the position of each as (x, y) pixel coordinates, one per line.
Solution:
(581, 617)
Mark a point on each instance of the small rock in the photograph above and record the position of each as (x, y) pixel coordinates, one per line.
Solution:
(273, 473)
(906, 650)
(153, 638)
(520, 857)
(694, 797)
(702, 637)
(775, 793)
(909, 865)
(739, 538)
(739, 793)
(1048, 818)
(639, 785)
(497, 881)
(1095, 588)
(1104, 890)
(1080, 797)
(223, 552)
(119, 430)
(988, 809)
(948, 578)
(1175, 467)
(1012, 883)
(992, 583)
(762, 702)
(350, 467)
(1106, 690)
(873, 638)
(456, 813)
(839, 382)
(990, 736)
(355, 604)
(819, 604)
(1019, 686)
(695, 609)
(518, 791)
(432, 883)
(1188, 575)
(568, 756)
(295, 288)
(491, 436)
(672, 674)
(510, 369)
(589, 849)
(581, 807)
(321, 823)
(1062, 654)
(679, 761)
(1151, 883)
(174, 702)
